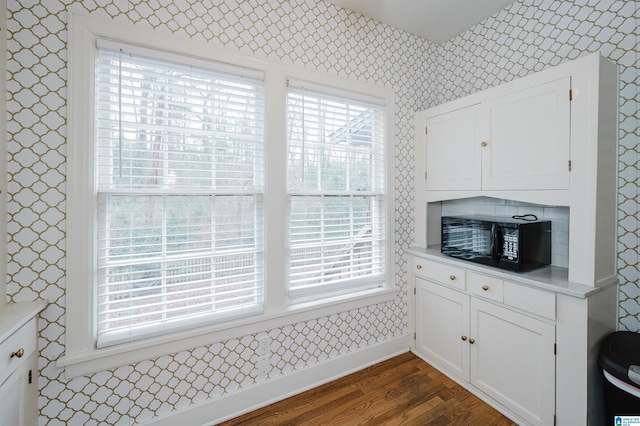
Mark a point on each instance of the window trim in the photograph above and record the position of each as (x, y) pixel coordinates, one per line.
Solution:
(81, 356)
(378, 193)
(130, 79)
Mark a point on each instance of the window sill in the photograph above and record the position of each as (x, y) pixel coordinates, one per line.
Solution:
(95, 360)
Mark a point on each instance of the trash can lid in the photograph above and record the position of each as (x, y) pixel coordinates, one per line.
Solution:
(620, 356)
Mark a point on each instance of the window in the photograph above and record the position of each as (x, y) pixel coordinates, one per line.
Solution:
(336, 183)
(207, 199)
(179, 155)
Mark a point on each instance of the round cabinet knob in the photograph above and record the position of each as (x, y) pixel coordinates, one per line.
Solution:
(485, 287)
(483, 144)
(18, 354)
(464, 338)
(418, 266)
(452, 277)
(472, 341)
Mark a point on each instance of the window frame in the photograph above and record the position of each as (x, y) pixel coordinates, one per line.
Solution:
(375, 193)
(129, 78)
(82, 356)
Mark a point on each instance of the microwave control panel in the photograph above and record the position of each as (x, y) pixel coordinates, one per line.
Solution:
(510, 244)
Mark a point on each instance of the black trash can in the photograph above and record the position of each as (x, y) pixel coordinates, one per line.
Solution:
(620, 362)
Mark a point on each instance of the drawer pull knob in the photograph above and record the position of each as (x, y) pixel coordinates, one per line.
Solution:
(483, 144)
(18, 354)
(464, 338)
(472, 341)
(452, 277)
(485, 287)
(418, 266)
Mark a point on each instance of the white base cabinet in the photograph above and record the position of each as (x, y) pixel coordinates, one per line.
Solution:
(506, 355)
(19, 363)
(19, 395)
(442, 327)
(513, 360)
(527, 344)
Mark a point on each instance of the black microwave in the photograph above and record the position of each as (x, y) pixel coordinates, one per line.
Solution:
(507, 243)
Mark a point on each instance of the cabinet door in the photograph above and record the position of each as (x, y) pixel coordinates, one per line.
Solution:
(18, 396)
(528, 144)
(513, 361)
(453, 150)
(10, 396)
(442, 322)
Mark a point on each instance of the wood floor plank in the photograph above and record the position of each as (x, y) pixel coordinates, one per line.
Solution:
(401, 391)
(340, 396)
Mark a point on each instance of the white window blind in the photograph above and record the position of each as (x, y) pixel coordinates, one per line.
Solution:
(180, 180)
(336, 175)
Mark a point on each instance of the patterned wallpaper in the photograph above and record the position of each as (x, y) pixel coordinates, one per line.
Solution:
(528, 36)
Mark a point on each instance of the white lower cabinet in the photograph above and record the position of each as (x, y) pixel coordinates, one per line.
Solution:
(513, 361)
(495, 350)
(19, 364)
(18, 395)
(442, 327)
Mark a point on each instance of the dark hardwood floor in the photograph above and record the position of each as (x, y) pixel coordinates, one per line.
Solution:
(401, 391)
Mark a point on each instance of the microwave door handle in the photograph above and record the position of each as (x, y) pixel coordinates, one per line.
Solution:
(496, 243)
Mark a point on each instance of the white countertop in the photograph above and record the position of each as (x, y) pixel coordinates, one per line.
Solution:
(15, 315)
(551, 278)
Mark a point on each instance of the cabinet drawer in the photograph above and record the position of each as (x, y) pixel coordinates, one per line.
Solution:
(485, 286)
(25, 339)
(441, 273)
(538, 302)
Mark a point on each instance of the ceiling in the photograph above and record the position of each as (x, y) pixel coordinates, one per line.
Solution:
(435, 20)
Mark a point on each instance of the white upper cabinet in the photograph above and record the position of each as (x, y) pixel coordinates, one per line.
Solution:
(453, 150)
(528, 143)
(519, 141)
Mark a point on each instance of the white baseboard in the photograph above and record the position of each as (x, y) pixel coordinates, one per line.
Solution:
(244, 401)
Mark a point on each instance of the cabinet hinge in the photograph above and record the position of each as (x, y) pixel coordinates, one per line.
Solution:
(570, 94)
(569, 165)
(554, 420)
(555, 348)
(30, 377)
(415, 336)
(426, 130)
(414, 292)
(425, 175)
